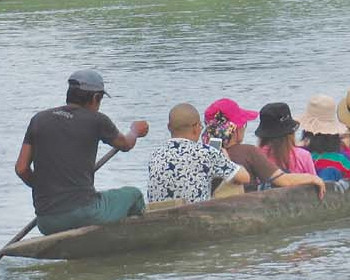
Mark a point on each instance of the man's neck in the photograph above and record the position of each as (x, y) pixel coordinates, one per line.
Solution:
(87, 106)
(185, 136)
(74, 105)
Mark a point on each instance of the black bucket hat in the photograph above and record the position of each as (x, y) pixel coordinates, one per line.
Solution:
(275, 121)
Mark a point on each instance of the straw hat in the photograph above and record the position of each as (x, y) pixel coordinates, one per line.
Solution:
(343, 110)
(320, 116)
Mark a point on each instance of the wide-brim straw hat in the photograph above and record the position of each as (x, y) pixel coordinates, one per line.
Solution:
(320, 116)
(343, 110)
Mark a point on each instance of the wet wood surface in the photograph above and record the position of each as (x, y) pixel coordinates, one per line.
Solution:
(245, 214)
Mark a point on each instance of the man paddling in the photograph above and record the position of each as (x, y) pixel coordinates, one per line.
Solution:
(62, 144)
(183, 168)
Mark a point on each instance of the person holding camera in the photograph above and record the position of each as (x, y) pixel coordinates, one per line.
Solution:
(225, 119)
(184, 168)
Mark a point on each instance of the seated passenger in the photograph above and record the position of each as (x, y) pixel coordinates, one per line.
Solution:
(321, 136)
(225, 119)
(276, 133)
(183, 168)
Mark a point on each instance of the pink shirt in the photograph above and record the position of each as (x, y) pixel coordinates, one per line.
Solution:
(300, 160)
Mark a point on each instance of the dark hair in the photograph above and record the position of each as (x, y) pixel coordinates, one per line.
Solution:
(322, 143)
(279, 148)
(81, 97)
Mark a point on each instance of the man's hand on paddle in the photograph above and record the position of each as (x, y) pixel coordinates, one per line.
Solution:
(140, 128)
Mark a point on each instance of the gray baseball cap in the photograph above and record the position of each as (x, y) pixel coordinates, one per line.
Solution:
(88, 80)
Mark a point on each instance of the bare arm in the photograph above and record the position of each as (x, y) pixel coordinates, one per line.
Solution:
(295, 179)
(127, 142)
(241, 177)
(23, 163)
(233, 186)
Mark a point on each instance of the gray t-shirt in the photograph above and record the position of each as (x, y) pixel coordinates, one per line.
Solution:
(64, 142)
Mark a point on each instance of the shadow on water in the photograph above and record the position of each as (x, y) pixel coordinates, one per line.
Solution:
(280, 253)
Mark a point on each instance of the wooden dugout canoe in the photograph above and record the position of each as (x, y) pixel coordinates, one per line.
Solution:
(245, 214)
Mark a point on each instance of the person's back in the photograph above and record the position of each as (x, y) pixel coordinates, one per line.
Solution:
(276, 132)
(321, 137)
(256, 163)
(65, 141)
(62, 145)
(330, 163)
(183, 168)
(300, 160)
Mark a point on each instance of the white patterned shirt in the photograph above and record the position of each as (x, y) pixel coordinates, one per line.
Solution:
(182, 168)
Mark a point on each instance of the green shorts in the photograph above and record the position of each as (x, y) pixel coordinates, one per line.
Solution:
(109, 207)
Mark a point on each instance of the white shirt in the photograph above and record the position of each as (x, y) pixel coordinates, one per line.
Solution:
(182, 168)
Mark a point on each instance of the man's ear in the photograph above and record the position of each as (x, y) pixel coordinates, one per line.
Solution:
(194, 129)
(92, 100)
(96, 97)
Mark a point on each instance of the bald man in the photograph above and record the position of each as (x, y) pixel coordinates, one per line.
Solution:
(183, 168)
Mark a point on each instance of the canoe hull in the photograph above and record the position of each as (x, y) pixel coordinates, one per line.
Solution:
(246, 214)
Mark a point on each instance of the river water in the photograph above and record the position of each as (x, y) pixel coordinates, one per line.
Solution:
(154, 54)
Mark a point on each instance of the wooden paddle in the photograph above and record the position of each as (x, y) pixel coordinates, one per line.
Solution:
(32, 223)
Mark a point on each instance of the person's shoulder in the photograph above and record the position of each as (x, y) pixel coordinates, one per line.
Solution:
(246, 148)
(183, 142)
(48, 110)
(211, 153)
(301, 151)
(44, 113)
(206, 147)
(164, 146)
(343, 157)
(333, 156)
(189, 146)
(169, 149)
(100, 114)
(100, 117)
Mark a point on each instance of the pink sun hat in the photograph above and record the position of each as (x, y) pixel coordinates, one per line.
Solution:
(231, 110)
